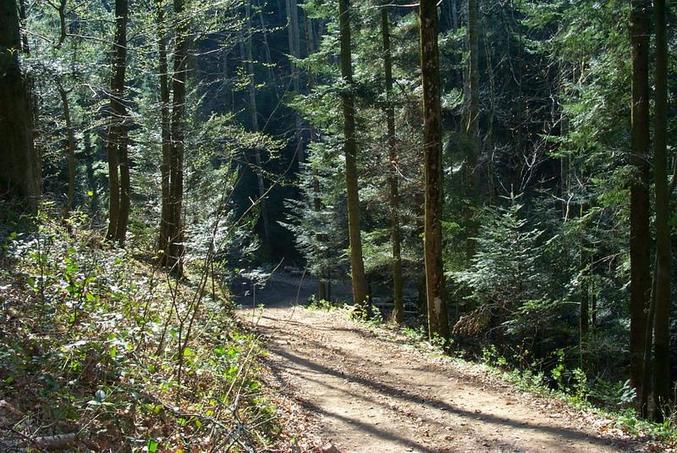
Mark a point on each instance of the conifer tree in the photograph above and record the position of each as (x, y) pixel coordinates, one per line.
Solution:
(432, 161)
(640, 279)
(662, 293)
(359, 281)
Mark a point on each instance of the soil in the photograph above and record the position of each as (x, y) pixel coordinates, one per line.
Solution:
(366, 390)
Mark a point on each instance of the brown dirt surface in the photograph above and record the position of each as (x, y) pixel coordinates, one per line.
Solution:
(363, 391)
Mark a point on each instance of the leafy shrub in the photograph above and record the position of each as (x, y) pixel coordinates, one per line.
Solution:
(99, 343)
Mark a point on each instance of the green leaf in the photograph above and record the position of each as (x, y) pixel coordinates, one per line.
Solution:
(152, 446)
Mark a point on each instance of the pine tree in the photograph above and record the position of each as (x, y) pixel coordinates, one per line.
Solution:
(118, 167)
(662, 292)
(640, 282)
(350, 150)
(398, 310)
(178, 129)
(432, 158)
(166, 215)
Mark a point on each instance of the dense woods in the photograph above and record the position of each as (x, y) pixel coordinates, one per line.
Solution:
(500, 175)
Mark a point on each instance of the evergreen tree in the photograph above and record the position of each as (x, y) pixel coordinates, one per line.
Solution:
(432, 157)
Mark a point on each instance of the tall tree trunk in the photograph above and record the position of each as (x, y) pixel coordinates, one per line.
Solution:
(324, 281)
(113, 182)
(454, 14)
(22, 26)
(90, 154)
(165, 127)
(584, 314)
(432, 159)
(70, 145)
(19, 160)
(472, 125)
(253, 112)
(488, 145)
(125, 183)
(266, 48)
(640, 279)
(178, 125)
(663, 251)
(398, 311)
(350, 149)
(293, 34)
(117, 144)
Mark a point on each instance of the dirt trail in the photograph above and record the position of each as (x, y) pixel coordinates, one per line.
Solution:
(371, 393)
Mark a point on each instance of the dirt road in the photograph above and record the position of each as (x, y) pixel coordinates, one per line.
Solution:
(373, 393)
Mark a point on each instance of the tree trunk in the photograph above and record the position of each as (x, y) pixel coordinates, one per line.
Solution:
(488, 145)
(293, 34)
(663, 251)
(70, 145)
(324, 281)
(125, 186)
(116, 146)
(398, 311)
(113, 182)
(584, 315)
(266, 47)
(19, 160)
(432, 158)
(165, 126)
(91, 178)
(350, 149)
(22, 26)
(472, 125)
(253, 112)
(178, 124)
(454, 14)
(640, 280)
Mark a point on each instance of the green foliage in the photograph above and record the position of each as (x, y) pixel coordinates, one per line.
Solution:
(318, 220)
(504, 278)
(97, 339)
(314, 303)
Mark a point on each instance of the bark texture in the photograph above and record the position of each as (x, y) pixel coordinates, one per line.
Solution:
(359, 281)
(398, 311)
(639, 191)
(663, 249)
(293, 34)
(19, 160)
(432, 158)
(90, 153)
(472, 126)
(178, 125)
(116, 146)
(253, 112)
(165, 126)
(70, 145)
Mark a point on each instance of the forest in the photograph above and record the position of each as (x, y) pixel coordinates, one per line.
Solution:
(337, 226)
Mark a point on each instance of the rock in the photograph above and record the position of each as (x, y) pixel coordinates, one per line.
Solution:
(330, 448)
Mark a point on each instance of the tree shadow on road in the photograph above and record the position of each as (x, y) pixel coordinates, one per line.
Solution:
(407, 396)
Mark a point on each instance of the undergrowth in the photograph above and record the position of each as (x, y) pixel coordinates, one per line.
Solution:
(607, 399)
(102, 351)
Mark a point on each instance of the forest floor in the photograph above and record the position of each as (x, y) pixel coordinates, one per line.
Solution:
(361, 390)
